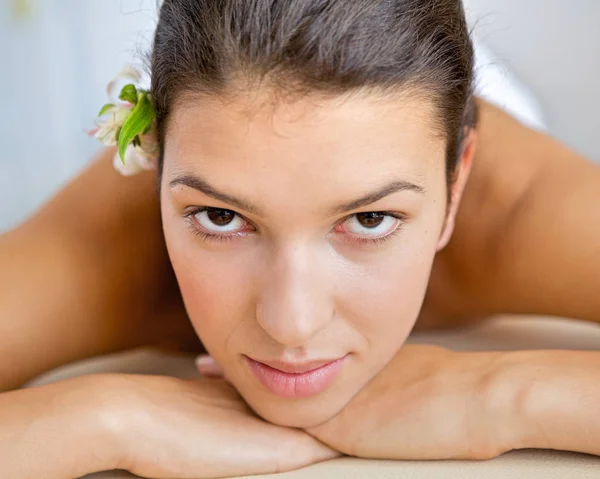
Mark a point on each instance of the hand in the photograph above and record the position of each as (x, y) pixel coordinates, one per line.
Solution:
(428, 403)
(201, 429)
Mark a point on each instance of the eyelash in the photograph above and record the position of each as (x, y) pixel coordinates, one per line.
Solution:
(204, 236)
(382, 239)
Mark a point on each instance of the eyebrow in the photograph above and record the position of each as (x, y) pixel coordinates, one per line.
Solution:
(199, 184)
(386, 190)
(196, 183)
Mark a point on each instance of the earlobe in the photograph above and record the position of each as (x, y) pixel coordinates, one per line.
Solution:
(458, 186)
(446, 233)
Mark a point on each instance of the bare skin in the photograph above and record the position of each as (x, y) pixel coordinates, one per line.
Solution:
(530, 227)
(96, 252)
(94, 261)
(100, 241)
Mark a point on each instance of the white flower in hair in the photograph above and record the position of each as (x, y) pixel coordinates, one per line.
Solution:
(138, 158)
(130, 124)
(128, 74)
(110, 122)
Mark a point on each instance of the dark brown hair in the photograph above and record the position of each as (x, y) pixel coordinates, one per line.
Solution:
(330, 46)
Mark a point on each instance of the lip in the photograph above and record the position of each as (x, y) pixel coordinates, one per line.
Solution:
(299, 380)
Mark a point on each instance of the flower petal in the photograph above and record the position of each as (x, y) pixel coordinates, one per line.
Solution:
(134, 163)
(127, 73)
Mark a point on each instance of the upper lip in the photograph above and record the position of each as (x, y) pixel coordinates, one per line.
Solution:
(297, 368)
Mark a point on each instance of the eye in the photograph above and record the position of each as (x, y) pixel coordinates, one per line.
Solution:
(217, 220)
(371, 224)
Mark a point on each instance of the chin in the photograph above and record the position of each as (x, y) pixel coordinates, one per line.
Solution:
(298, 413)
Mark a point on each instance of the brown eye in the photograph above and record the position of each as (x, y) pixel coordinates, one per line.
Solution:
(370, 224)
(220, 217)
(370, 219)
(218, 220)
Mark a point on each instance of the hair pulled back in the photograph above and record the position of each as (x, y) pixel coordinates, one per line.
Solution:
(329, 46)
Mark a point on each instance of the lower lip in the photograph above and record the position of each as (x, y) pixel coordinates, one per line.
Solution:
(300, 385)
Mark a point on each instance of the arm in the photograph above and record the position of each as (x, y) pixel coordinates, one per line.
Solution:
(527, 237)
(152, 426)
(87, 275)
(556, 397)
(56, 432)
(474, 405)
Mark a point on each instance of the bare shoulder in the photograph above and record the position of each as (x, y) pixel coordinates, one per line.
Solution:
(526, 232)
(88, 274)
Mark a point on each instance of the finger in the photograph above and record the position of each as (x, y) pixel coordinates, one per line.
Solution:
(325, 453)
(207, 366)
(305, 450)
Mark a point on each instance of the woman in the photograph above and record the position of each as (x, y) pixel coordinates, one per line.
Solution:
(314, 156)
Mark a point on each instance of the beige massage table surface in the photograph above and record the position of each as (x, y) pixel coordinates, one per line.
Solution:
(497, 334)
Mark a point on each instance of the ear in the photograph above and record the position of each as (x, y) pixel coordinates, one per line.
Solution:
(457, 187)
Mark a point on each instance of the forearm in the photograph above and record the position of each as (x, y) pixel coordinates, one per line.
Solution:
(553, 397)
(54, 432)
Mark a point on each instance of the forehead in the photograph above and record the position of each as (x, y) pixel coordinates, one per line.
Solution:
(347, 136)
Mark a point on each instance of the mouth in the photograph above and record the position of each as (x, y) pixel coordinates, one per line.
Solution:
(296, 381)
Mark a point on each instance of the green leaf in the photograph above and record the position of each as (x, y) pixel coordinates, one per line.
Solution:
(105, 109)
(140, 119)
(129, 93)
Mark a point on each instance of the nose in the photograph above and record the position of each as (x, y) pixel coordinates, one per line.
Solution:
(295, 302)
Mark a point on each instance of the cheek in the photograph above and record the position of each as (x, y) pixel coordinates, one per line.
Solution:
(382, 298)
(216, 288)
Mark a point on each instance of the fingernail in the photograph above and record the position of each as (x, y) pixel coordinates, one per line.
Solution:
(204, 361)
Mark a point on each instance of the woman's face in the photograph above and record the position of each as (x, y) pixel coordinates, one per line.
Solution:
(302, 236)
